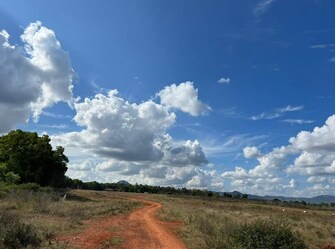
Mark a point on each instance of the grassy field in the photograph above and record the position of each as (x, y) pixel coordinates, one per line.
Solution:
(202, 222)
(43, 215)
(209, 222)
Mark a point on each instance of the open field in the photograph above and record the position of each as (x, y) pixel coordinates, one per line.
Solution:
(198, 222)
(208, 222)
(52, 216)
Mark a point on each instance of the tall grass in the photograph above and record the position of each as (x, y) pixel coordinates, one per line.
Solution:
(51, 214)
(213, 223)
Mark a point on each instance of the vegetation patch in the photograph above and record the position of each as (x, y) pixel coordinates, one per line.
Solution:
(267, 234)
(15, 234)
(111, 243)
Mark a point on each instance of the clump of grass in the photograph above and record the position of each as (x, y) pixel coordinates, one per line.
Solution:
(267, 234)
(111, 243)
(216, 233)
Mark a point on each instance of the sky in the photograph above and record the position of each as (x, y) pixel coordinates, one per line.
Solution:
(220, 95)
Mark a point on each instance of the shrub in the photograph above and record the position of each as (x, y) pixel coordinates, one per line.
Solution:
(15, 234)
(216, 232)
(267, 234)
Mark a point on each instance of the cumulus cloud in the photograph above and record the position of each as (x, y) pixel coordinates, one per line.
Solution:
(308, 154)
(224, 81)
(183, 97)
(251, 152)
(189, 153)
(33, 77)
(131, 140)
(115, 128)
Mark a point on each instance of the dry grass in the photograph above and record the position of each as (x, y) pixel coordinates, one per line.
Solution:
(52, 215)
(209, 222)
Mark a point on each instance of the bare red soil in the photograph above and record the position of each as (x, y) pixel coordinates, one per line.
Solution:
(139, 229)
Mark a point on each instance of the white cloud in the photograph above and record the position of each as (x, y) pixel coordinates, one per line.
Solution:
(32, 78)
(183, 97)
(251, 152)
(298, 121)
(321, 139)
(326, 45)
(230, 144)
(308, 154)
(265, 116)
(263, 6)
(224, 81)
(292, 184)
(130, 141)
(115, 128)
(290, 108)
(316, 179)
(189, 153)
(279, 112)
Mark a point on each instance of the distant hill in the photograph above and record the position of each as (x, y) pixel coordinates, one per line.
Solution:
(315, 200)
(123, 182)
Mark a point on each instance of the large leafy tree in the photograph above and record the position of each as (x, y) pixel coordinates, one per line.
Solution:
(32, 159)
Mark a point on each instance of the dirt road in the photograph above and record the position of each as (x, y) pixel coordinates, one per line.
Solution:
(138, 230)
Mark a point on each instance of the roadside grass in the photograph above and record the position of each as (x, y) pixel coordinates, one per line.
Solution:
(213, 223)
(44, 214)
(112, 243)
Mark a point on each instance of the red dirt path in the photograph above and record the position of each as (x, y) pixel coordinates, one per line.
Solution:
(140, 229)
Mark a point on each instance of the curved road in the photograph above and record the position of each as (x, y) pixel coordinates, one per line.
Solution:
(137, 230)
(148, 232)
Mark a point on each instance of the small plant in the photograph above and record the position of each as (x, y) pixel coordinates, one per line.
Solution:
(267, 234)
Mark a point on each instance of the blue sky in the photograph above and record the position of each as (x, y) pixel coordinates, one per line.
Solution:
(209, 95)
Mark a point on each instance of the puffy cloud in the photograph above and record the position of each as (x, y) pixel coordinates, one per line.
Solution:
(87, 165)
(292, 184)
(316, 179)
(189, 153)
(308, 154)
(118, 129)
(34, 77)
(224, 81)
(129, 138)
(321, 139)
(183, 97)
(251, 152)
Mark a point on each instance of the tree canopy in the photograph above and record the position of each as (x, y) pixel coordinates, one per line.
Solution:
(27, 157)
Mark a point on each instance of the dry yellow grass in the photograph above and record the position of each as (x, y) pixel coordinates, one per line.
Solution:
(52, 215)
(208, 222)
(316, 227)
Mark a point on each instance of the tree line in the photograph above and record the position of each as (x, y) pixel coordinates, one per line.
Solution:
(26, 157)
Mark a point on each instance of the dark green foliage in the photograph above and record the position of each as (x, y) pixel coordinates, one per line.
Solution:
(26, 157)
(266, 234)
(14, 234)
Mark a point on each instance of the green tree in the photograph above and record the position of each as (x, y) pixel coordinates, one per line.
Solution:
(32, 158)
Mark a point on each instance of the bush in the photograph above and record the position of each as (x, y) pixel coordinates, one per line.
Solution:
(267, 234)
(15, 234)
